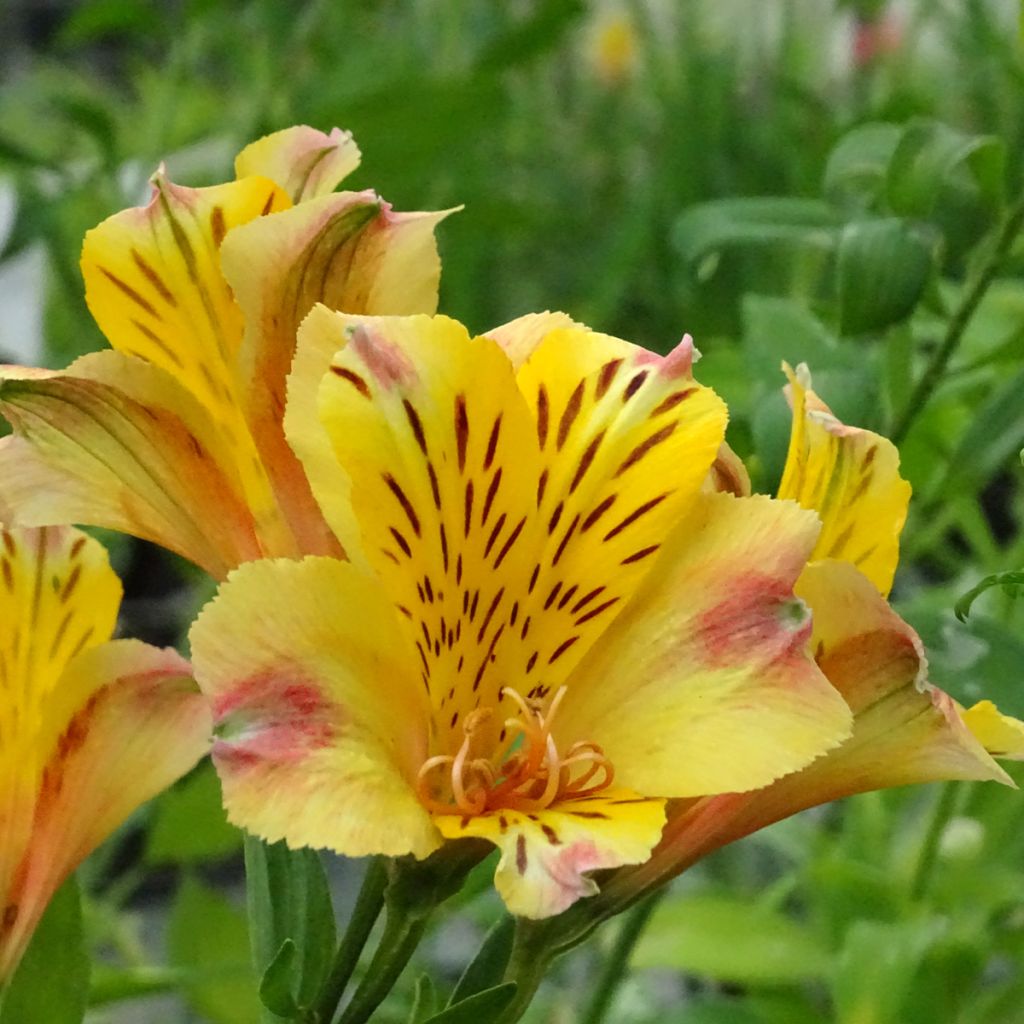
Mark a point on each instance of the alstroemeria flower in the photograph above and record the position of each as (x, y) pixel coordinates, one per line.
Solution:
(90, 728)
(547, 626)
(176, 436)
(905, 730)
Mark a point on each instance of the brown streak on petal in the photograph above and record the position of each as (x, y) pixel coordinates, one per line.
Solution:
(542, 415)
(401, 542)
(561, 649)
(154, 278)
(551, 834)
(158, 341)
(586, 599)
(673, 400)
(353, 378)
(585, 460)
(128, 290)
(636, 382)
(509, 541)
(553, 595)
(642, 553)
(217, 226)
(268, 205)
(435, 490)
(542, 484)
(521, 860)
(572, 410)
(645, 446)
(565, 540)
(840, 542)
(496, 600)
(635, 515)
(597, 512)
(492, 443)
(492, 491)
(70, 584)
(403, 500)
(606, 376)
(461, 429)
(498, 526)
(555, 516)
(594, 612)
(467, 509)
(416, 424)
(568, 596)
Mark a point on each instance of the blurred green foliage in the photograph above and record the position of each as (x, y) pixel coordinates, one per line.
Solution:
(790, 180)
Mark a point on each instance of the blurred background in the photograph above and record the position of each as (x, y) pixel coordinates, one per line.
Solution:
(807, 180)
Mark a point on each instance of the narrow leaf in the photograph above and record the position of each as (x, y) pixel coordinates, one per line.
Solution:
(488, 967)
(1014, 578)
(483, 1006)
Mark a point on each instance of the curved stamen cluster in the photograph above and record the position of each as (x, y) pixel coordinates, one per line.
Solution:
(525, 776)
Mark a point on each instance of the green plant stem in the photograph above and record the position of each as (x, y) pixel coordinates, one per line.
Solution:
(613, 970)
(402, 933)
(532, 956)
(973, 294)
(942, 812)
(368, 906)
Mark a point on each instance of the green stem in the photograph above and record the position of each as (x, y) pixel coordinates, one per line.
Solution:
(364, 915)
(402, 933)
(961, 317)
(532, 955)
(613, 970)
(945, 805)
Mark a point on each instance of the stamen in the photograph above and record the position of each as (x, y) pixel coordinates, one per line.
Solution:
(530, 779)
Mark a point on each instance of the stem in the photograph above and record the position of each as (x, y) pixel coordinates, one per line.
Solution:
(402, 934)
(943, 811)
(528, 964)
(613, 970)
(972, 296)
(364, 915)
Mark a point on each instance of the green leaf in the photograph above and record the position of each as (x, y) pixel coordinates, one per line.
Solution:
(882, 268)
(276, 984)
(730, 939)
(190, 826)
(289, 898)
(876, 968)
(703, 231)
(488, 967)
(51, 983)
(207, 938)
(857, 168)
(1014, 578)
(483, 1006)
(932, 157)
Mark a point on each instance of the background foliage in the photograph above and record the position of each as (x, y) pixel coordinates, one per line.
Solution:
(833, 183)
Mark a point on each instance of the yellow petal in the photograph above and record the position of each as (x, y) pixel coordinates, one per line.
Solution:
(118, 443)
(703, 683)
(546, 856)
(322, 720)
(348, 251)
(626, 443)
(137, 725)
(430, 429)
(728, 474)
(520, 337)
(154, 284)
(88, 729)
(850, 477)
(999, 734)
(306, 163)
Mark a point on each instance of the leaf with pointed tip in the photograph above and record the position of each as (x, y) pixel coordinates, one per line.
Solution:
(484, 1005)
(488, 967)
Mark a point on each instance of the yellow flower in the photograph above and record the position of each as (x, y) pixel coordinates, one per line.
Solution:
(547, 626)
(90, 728)
(176, 435)
(905, 730)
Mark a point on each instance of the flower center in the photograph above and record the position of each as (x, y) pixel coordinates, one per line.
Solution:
(527, 773)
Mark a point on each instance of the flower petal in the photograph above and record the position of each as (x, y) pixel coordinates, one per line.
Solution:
(153, 282)
(905, 730)
(116, 442)
(999, 734)
(322, 722)
(545, 856)
(348, 251)
(520, 337)
(850, 477)
(703, 684)
(626, 443)
(430, 428)
(306, 163)
(124, 723)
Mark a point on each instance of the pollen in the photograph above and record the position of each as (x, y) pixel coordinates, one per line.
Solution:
(523, 772)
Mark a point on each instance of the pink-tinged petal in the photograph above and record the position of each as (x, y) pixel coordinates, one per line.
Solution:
(547, 857)
(322, 720)
(116, 442)
(851, 478)
(306, 163)
(704, 684)
(348, 251)
(728, 474)
(125, 722)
